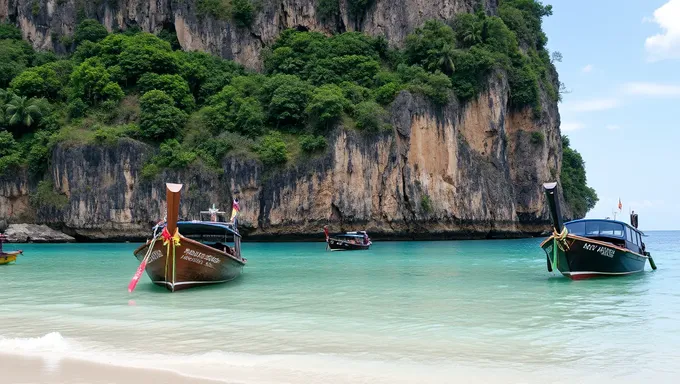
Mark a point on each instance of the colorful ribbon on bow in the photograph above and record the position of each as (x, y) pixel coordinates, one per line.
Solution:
(167, 241)
(167, 237)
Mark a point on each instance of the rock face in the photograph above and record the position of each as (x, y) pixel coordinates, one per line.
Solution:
(442, 172)
(45, 22)
(25, 233)
(453, 171)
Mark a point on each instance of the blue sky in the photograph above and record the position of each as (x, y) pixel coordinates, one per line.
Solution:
(622, 66)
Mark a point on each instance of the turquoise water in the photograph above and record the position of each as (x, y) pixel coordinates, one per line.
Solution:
(485, 311)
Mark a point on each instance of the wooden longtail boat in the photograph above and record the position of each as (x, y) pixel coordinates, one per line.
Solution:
(7, 257)
(348, 241)
(192, 253)
(582, 249)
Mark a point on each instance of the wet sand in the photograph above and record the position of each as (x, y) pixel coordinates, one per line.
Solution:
(25, 370)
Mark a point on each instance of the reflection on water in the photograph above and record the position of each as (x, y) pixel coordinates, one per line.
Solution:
(482, 304)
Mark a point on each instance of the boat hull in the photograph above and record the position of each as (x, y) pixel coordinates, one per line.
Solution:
(9, 257)
(581, 258)
(194, 264)
(340, 245)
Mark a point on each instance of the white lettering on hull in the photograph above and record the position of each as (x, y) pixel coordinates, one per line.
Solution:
(200, 258)
(602, 250)
(155, 255)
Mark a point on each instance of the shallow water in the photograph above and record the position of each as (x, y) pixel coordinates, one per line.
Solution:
(402, 312)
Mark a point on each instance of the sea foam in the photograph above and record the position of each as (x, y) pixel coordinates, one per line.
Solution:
(52, 342)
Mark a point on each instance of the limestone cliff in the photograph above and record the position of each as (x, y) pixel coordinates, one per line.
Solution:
(453, 171)
(45, 22)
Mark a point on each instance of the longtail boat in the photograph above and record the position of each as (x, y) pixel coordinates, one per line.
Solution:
(192, 253)
(7, 257)
(348, 241)
(586, 248)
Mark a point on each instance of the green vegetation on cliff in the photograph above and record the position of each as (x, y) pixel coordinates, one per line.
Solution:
(195, 107)
(580, 197)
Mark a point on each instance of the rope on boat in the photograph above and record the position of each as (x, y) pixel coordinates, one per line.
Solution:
(559, 241)
(168, 241)
(142, 265)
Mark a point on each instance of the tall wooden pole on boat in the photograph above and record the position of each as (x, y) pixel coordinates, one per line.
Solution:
(556, 215)
(553, 205)
(172, 198)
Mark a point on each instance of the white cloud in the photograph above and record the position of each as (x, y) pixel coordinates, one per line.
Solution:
(591, 105)
(652, 89)
(587, 69)
(613, 127)
(665, 45)
(570, 127)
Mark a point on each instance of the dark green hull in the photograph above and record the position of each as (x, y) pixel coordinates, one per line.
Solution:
(581, 258)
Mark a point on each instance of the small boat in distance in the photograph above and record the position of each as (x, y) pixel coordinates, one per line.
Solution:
(187, 254)
(7, 257)
(348, 241)
(588, 248)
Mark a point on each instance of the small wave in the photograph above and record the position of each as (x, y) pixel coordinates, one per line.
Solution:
(50, 343)
(52, 347)
(217, 364)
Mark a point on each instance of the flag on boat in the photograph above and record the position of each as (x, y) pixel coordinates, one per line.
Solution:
(235, 208)
(620, 205)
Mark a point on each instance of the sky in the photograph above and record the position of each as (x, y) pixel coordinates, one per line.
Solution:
(621, 67)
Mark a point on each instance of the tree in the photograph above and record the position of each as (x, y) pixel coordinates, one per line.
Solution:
(556, 57)
(159, 118)
(7, 144)
(580, 197)
(206, 74)
(242, 12)
(425, 45)
(273, 150)
(16, 55)
(249, 116)
(355, 93)
(311, 144)
(435, 85)
(444, 59)
(23, 111)
(91, 82)
(9, 32)
(370, 116)
(89, 30)
(174, 85)
(144, 53)
(37, 82)
(173, 155)
(327, 104)
(10, 153)
(469, 29)
(288, 103)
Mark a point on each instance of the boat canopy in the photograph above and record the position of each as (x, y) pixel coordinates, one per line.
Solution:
(600, 228)
(206, 229)
(352, 234)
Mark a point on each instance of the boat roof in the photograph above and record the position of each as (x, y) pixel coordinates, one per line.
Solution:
(608, 221)
(206, 228)
(351, 234)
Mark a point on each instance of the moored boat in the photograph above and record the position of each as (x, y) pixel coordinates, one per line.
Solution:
(588, 248)
(7, 257)
(348, 241)
(192, 253)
